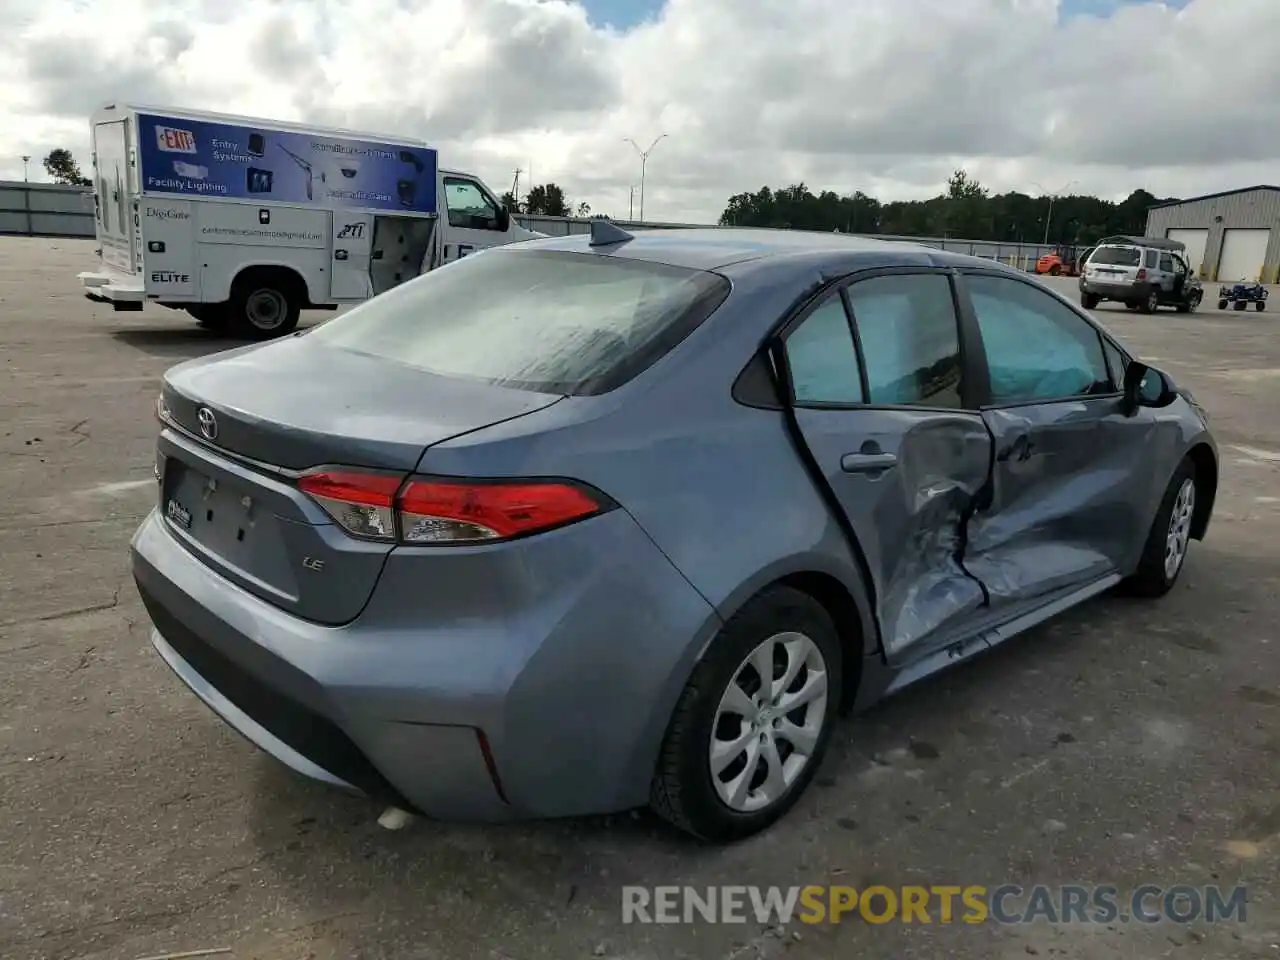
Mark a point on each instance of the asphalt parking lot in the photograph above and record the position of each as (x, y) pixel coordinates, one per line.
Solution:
(1125, 743)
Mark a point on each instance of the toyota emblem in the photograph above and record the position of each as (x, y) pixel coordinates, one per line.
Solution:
(208, 423)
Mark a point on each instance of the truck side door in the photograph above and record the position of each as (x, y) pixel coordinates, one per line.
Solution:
(473, 219)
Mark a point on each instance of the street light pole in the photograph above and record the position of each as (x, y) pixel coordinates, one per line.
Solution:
(644, 160)
(1048, 220)
(25, 161)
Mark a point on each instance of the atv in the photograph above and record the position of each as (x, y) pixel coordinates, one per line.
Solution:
(1240, 295)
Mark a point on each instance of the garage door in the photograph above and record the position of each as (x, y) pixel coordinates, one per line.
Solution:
(1243, 253)
(1194, 241)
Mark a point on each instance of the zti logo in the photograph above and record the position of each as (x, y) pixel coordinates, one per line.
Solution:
(173, 140)
(352, 231)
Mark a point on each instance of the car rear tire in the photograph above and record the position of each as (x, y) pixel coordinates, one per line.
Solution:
(1260, 306)
(1151, 303)
(264, 305)
(1165, 550)
(735, 758)
(1089, 301)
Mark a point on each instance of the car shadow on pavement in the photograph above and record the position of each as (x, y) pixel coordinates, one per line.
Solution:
(180, 344)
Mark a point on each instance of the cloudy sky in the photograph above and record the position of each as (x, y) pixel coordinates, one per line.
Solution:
(886, 96)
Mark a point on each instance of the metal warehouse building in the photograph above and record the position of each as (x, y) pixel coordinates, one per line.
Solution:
(1229, 236)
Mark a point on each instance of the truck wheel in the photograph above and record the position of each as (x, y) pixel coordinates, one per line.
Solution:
(1089, 300)
(1055, 271)
(265, 305)
(1241, 305)
(1260, 305)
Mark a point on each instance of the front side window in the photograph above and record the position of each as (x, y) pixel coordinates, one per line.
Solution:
(822, 358)
(910, 339)
(469, 207)
(1038, 349)
(548, 321)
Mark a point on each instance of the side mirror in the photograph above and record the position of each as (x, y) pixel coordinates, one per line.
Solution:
(504, 219)
(1146, 386)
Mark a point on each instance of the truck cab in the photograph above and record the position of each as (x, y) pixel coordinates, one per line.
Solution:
(245, 222)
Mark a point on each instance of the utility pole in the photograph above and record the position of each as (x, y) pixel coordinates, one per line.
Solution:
(631, 204)
(25, 161)
(1048, 220)
(644, 160)
(515, 190)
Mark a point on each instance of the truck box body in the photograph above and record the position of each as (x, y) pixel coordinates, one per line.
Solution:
(190, 204)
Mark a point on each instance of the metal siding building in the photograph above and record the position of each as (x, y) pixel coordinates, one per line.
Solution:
(1237, 231)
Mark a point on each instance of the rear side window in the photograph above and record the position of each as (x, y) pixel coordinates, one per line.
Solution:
(548, 321)
(910, 339)
(1166, 263)
(1117, 256)
(822, 357)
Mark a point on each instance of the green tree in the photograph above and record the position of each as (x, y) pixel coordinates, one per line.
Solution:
(62, 167)
(511, 203)
(548, 200)
(966, 210)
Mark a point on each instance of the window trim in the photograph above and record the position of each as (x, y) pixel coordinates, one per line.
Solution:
(973, 366)
(989, 404)
(449, 178)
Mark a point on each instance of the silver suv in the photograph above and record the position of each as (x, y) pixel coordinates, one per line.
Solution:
(1143, 273)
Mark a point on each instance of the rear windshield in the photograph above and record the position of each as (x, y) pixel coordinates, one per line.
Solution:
(1120, 256)
(548, 321)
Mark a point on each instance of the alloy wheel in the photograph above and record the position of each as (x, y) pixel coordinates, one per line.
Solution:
(769, 722)
(1179, 535)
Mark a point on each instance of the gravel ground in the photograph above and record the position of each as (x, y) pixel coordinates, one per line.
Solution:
(1127, 742)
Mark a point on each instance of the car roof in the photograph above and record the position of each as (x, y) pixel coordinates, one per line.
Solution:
(1155, 243)
(714, 248)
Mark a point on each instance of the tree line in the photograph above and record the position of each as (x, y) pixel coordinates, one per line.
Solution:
(967, 210)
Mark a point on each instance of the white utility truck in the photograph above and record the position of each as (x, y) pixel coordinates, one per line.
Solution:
(244, 222)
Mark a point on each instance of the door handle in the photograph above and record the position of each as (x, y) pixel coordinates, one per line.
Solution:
(867, 462)
(1020, 449)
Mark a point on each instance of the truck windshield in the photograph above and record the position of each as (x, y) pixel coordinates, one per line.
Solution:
(1119, 256)
(548, 321)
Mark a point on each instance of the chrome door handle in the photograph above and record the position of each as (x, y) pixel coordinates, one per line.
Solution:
(867, 462)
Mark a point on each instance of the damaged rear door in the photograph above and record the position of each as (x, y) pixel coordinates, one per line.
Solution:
(885, 412)
(1068, 500)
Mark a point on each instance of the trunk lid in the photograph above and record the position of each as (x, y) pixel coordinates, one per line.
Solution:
(280, 408)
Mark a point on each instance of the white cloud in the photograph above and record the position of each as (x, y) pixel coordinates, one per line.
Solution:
(887, 96)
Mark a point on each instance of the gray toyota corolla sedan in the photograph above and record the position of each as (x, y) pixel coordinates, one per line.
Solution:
(588, 523)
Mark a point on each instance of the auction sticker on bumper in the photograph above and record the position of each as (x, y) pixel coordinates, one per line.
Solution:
(178, 514)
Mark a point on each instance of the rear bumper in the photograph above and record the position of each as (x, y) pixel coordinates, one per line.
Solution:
(120, 291)
(1115, 291)
(554, 706)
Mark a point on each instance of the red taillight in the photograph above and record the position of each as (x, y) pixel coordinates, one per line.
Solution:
(364, 503)
(427, 510)
(1142, 273)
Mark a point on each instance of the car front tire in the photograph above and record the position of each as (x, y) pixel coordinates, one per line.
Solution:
(1165, 551)
(741, 746)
